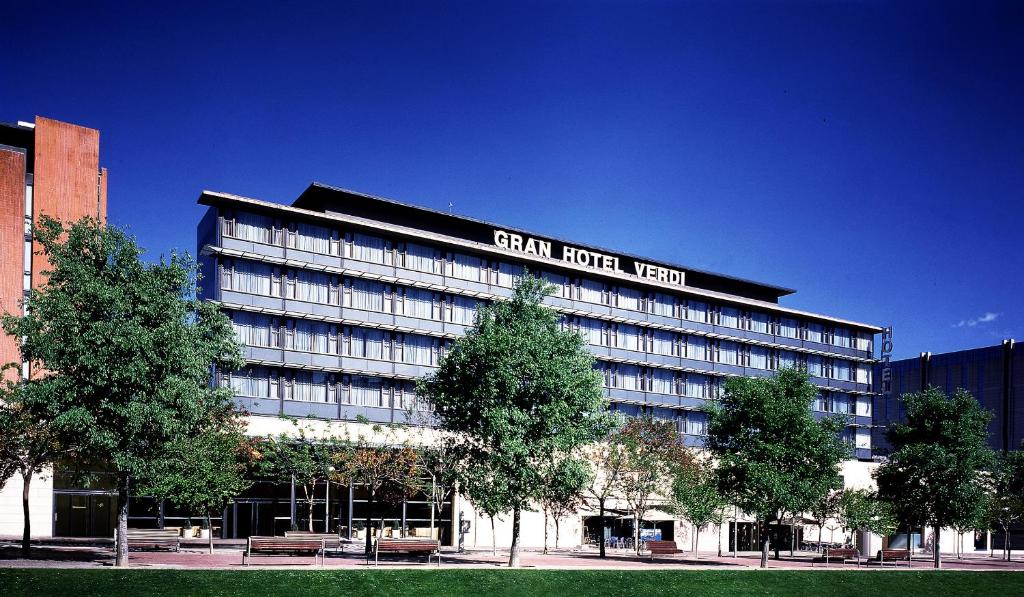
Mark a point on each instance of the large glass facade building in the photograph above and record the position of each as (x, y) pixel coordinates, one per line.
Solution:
(342, 300)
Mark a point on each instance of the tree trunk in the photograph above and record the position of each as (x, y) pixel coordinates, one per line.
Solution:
(556, 533)
(369, 522)
(121, 543)
(600, 539)
(764, 544)
(820, 529)
(636, 532)
(778, 534)
(936, 554)
(1006, 545)
(494, 538)
(719, 525)
(696, 542)
(209, 528)
(545, 530)
(513, 556)
(309, 501)
(26, 535)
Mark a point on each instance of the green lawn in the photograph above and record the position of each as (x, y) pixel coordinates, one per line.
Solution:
(504, 582)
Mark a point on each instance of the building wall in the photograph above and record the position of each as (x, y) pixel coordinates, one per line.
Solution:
(68, 183)
(12, 242)
(40, 506)
(991, 374)
(276, 250)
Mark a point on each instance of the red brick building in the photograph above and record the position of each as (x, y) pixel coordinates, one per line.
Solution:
(46, 167)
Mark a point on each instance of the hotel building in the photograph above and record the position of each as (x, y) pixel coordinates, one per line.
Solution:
(46, 167)
(994, 375)
(343, 299)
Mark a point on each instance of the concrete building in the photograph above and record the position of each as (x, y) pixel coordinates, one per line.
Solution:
(994, 375)
(53, 168)
(343, 299)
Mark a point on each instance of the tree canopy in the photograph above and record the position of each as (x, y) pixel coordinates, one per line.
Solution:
(773, 456)
(932, 476)
(515, 391)
(126, 349)
(695, 496)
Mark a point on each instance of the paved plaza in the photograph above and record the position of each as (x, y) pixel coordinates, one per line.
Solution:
(229, 556)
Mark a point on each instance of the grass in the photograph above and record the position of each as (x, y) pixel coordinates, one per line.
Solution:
(81, 582)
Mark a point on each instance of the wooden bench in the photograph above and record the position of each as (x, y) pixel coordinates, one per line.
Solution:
(282, 546)
(153, 539)
(891, 556)
(843, 554)
(329, 540)
(427, 546)
(662, 548)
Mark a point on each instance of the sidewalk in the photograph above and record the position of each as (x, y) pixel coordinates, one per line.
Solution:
(195, 556)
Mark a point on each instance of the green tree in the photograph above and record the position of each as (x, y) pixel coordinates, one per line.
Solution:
(933, 474)
(608, 458)
(1005, 484)
(826, 507)
(773, 456)
(301, 459)
(126, 349)
(389, 472)
(696, 498)
(203, 472)
(653, 454)
(488, 493)
(565, 482)
(513, 392)
(28, 445)
(862, 510)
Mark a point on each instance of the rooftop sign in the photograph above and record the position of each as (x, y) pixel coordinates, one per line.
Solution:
(587, 258)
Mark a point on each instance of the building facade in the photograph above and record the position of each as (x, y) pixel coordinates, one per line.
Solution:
(46, 167)
(342, 300)
(994, 375)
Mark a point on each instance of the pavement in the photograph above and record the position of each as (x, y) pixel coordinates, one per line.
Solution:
(229, 557)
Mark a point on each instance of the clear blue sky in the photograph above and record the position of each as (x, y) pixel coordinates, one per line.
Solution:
(869, 156)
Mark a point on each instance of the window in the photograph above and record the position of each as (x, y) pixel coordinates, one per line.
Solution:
(365, 247)
(251, 382)
(663, 304)
(364, 294)
(590, 291)
(313, 287)
(419, 350)
(251, 329)
(421, 258)
(466, 267)
(695, 310)
(250, 276)
(773, 360)
(666, 343)
(661, 381)
(627, 336)
(252, 227)
(462, 309)
(696, 348)
(316, 239)
(418, 303)
(366, 391)
(310, 386)
(628, 298)
(507, 273)
(628, 377)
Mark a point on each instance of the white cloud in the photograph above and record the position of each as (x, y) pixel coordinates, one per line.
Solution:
(987, 317)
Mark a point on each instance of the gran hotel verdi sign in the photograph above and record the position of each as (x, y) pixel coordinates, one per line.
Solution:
(587, 258)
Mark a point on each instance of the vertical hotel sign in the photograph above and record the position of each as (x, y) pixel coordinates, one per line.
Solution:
(587, 258)
(885, 356)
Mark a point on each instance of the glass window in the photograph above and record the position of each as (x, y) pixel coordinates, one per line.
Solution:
(367, 248)
(254, 227)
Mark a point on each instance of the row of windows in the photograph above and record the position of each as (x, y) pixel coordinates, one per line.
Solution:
(695, 423)
(255, 329)
(260, 278)
(327, 289)
(325, 388)
(630, 337)
(844, 404)
(374, 249)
